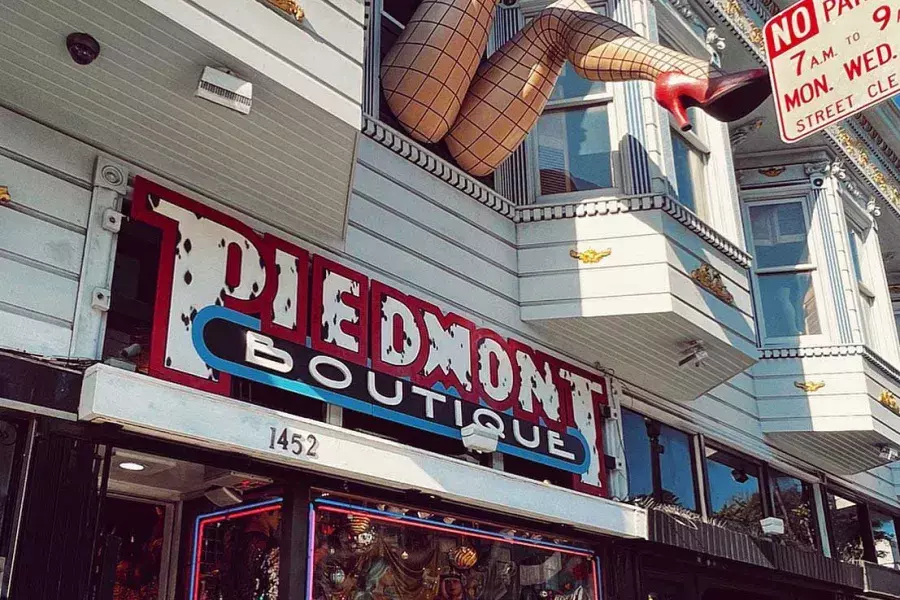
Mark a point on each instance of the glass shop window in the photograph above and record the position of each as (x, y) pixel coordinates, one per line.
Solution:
(792, 501)
(784, 269)
(659, 460)
(884, 532)
(385, 552)
(574, 137)
(733, 489)
(846, 528)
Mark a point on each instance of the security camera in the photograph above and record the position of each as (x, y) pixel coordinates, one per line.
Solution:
(83, 48)
(817, 181)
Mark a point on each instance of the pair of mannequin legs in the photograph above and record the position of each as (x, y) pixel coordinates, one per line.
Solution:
(438, 87)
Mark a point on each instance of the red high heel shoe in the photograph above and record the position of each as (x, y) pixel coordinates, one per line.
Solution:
(726, 98)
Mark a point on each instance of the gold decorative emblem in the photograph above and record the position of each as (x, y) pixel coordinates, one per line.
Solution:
(291, 7)
(889, 401)
(772, 171)
(590, 256)
(4, 194)
(711, 280)
(809, 386)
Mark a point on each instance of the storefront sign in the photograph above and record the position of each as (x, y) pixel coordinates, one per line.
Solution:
(233, 302)
(830, 59)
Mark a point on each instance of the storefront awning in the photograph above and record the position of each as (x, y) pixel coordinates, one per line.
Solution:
(166, 410)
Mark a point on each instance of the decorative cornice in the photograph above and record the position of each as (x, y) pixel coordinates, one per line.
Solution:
(741, 133)
(403, 146)
(711, 280)
(833, 351)
(849, 142)
(428, 161)
(593, 208)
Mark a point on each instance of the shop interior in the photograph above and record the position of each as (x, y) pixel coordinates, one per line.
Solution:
(171, 529)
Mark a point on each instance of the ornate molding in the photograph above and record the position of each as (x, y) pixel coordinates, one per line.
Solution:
(291, 7)
(771, 171)
(590, 256)
(834, 351)
(889, 401)
(740, 134)
(809, 386)
(406, 148)
(856, 149)
(595, 208)
(711, 280)
(714, 41)
(5, 197)
(742, 23)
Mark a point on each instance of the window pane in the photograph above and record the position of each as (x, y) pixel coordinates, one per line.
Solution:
(637, 454)
(789, 304)
(734, 489)
(866, 308)
(684, 175)
(676, 468)
(854, 242)
(372, 556)
(574, 150)
(845, 528)
(779, 235)
(571, 85)
(886, 550)
(793, 502)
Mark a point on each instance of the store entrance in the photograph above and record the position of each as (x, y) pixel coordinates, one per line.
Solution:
(172, 529)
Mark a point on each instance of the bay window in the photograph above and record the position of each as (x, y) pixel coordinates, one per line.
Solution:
(856, 242)
(573, 137)
(690, 156)
(784, 268)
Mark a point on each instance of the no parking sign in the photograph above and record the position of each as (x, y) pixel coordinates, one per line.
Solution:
(830, 59)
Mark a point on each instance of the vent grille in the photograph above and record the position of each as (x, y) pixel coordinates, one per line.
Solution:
(225, 94)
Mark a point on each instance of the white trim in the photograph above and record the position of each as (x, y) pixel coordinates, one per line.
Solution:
(166, 410)
(37, 410)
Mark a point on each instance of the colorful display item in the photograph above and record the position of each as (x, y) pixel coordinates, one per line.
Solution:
(402, 557)
(438, 87)
(203, 554)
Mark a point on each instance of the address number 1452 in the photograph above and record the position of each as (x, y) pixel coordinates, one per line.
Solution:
(293, 442)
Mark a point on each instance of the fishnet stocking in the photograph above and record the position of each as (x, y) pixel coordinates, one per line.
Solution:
(434, 86)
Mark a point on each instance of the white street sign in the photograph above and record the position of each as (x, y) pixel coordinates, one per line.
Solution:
(830, 59)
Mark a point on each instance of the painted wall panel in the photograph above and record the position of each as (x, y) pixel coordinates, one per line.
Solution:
(21, 332)
(40, 241)
(45, 194)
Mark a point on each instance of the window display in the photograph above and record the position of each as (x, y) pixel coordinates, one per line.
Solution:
(236, 554)
(392, 553)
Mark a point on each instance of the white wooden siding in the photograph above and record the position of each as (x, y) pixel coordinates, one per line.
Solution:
(42, 236)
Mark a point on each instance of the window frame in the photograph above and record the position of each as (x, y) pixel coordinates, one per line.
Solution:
(857, 242)
(771, 473)
(697, 139)
(655, 464)
(618, 127)
(762, 479)
(765, 198)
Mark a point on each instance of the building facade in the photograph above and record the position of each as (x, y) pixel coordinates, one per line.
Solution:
(258, 342)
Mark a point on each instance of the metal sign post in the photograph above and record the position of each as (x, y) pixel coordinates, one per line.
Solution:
(830, 59)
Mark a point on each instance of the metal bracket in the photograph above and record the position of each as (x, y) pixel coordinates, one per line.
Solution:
(100, 299)
(112, 220)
